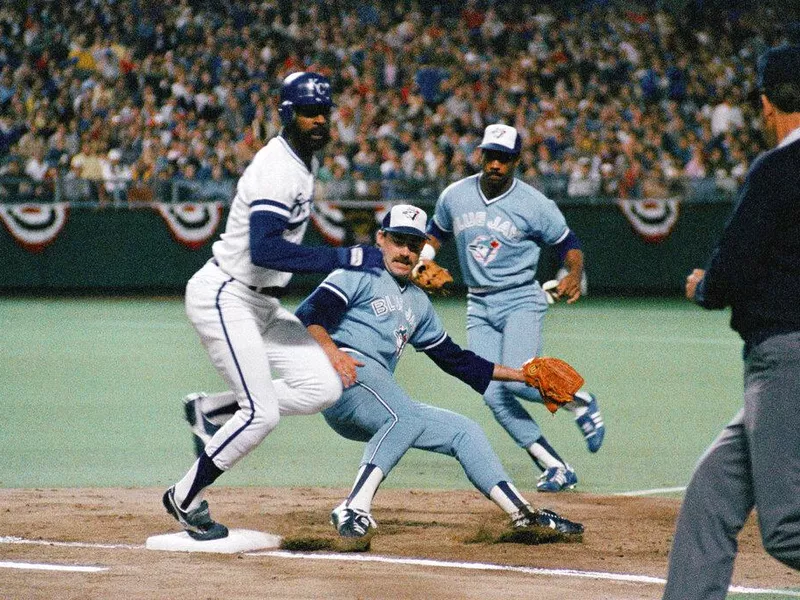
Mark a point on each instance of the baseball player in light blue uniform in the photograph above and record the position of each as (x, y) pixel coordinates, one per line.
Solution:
(500, 224)
(364, 322)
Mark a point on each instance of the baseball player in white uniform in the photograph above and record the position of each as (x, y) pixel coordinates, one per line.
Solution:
(232, 301)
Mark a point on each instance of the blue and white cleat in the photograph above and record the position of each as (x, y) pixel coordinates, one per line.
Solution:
(557, 479)
(591, 425)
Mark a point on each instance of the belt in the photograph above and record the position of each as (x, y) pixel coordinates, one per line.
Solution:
(484, 291)
(275, 291)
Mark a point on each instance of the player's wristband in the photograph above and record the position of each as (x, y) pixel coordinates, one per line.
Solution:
(428, 253)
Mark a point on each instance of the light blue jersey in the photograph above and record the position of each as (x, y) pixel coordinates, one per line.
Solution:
(499, 240)
(383, 316)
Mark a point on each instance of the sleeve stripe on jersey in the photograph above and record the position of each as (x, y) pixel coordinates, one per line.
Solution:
(563, 237)
(332, 288)
(442, 338)
(270, 206)
(436, 221)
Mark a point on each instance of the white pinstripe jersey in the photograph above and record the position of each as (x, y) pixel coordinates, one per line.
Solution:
(278, 181)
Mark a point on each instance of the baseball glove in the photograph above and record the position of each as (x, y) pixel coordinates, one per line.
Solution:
(555, 379)
(431, 277)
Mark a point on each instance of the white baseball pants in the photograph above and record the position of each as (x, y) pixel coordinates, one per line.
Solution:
(250, 339)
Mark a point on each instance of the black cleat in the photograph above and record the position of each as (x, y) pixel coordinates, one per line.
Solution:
(197, 523)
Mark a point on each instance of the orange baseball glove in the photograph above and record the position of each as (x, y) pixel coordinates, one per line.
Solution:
(431, 277)
(555, 379)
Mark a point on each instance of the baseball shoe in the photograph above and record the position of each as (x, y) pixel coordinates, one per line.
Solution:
(591, 425)
(353, 523)
(557, 479)
(544, 519)
(197, 523)
(202, 429)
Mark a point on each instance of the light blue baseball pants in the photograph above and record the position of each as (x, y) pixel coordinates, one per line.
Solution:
(376, 410)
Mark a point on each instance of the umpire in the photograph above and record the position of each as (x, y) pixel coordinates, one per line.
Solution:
(755, 269)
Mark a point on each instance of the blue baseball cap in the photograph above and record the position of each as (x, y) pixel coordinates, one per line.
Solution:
(406, 219)
(778, 65)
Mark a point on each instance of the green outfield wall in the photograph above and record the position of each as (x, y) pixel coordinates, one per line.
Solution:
(135, 250)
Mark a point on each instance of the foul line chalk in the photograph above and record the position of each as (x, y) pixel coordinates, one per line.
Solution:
(653, 492)
(623, 577)
(46, 567)
(18, 540)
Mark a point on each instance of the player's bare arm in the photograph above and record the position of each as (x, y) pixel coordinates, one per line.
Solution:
(570, 285)
(345, 364)
(504, 373)
(691, 282)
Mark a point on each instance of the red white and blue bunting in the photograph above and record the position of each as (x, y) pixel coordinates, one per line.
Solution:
(329, 221)
(652, 218)
(34, 226)
(191, 223)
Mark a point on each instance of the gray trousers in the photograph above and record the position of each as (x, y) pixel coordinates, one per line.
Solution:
(754, 463)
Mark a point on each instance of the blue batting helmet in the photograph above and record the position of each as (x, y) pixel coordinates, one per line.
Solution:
(303, 89)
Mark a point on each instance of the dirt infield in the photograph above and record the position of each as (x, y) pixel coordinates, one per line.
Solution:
(624, 536)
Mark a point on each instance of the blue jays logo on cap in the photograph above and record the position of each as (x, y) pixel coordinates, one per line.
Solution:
(502, 138)
(406, 219)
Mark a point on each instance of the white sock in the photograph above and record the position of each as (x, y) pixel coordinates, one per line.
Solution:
(580, 405)
(509, 499)
(544, 457)
(365, 488)
(184, 485)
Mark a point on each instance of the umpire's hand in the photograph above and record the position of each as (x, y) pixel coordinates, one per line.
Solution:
(691, 282)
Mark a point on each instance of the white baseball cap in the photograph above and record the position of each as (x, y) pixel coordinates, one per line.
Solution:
(406, 219)
(502, 138)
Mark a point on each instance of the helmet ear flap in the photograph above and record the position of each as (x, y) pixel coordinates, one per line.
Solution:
(286, 112)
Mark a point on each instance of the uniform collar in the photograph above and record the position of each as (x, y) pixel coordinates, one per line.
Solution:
(792, 137)
(294, 155)
(488, 201)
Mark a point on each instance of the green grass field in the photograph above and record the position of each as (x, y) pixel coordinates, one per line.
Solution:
(92, 388)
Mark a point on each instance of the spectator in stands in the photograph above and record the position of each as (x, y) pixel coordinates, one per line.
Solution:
(74, 188)
(116, 177)
(36, 166)
(583, 182)
(696, 167)
(726, 116)
(14, 184)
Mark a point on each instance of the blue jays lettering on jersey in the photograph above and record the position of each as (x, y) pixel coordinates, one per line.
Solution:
(498, 240)
(385, 312)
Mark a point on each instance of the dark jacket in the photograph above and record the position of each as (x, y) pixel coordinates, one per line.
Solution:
(755, 268)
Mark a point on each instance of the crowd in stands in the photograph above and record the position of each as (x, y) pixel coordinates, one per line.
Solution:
(110, 97)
